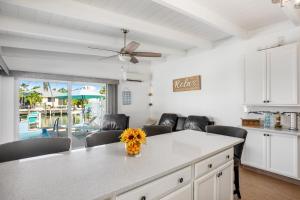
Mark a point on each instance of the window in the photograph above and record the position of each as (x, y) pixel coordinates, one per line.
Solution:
(60, 109)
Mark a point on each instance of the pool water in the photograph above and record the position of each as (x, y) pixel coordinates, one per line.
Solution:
(25, 133)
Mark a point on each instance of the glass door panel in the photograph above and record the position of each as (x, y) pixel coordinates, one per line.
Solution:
(41, 112)
(88, 108)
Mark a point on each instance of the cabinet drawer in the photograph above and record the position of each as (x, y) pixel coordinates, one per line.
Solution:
(184, 193)
(212, 163)
(159, 187)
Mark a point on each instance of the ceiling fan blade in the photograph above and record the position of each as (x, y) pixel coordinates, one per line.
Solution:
(100, 49)
(276, 1)
(131, 47)
(134, 60)
(108, 57)
(146, 54)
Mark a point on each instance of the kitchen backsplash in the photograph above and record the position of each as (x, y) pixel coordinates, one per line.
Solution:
(285, 120)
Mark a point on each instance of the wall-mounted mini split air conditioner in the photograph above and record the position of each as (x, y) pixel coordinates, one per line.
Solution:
(135, 77)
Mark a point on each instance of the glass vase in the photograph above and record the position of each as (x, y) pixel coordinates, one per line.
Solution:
(133, 149)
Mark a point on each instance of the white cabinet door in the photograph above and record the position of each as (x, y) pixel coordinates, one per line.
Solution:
(282, 75)
(255, 78)
(184, 193)
(224, 186)
(254, 152)
(205, 188)
(282, 154)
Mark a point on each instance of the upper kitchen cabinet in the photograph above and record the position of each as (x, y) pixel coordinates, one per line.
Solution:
(282, 75)
(255, 78)
(271, 76)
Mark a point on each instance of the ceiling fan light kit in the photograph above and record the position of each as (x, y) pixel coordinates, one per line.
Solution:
(124, 57)
(283, 2)
(128, 53)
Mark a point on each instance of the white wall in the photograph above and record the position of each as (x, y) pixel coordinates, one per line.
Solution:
(221, 96)
(139, 110)
(7, 111)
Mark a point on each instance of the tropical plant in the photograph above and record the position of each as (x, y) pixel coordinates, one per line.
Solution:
(79, 102)
(24, 85)
(46, 86)
(36, 87)
(22, 91)
(62, 90)
(103, 90)
(33, 98)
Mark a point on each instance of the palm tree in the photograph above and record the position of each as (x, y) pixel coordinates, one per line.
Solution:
(62, 90)
(33, 98)
(22, 90)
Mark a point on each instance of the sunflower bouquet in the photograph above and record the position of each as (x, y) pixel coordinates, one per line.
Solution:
(133, 139)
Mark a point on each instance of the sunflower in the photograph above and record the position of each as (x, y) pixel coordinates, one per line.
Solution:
(132, 135)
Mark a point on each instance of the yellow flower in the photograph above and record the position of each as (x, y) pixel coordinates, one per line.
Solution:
(131, 136)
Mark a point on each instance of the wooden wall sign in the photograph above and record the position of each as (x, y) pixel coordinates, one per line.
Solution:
(187, 84)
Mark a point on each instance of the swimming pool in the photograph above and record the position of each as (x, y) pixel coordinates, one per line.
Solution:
(25, 133)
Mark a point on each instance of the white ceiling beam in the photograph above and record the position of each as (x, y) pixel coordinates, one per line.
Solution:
(292, 13)
(194, 10)
(13, 26)
(3, 64)
(44, 45)
(81, 11)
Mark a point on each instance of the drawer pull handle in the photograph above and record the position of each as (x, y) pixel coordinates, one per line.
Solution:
(143, 198)
(220, 174)
(180, 180)
(228, 156)
(210, 165)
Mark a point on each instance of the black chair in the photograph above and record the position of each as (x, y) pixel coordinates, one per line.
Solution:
(115, 122)
(197, 123)
(157, 130)
(238, 149)
(33, 147)
(168, 119)
(180, 123)
(104, 137)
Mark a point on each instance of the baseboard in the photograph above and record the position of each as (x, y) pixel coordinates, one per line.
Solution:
(273, 175)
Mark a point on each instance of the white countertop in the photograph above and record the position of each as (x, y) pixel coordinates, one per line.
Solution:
(104, 171)
(273, 130)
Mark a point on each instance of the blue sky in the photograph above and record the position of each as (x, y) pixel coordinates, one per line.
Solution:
(58, 85)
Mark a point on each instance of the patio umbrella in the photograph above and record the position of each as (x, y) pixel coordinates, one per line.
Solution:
(82, 94)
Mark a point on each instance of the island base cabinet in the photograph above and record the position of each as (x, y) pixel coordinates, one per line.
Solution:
(184, 193)
(224, 183)
(205, 187)
(217, 185)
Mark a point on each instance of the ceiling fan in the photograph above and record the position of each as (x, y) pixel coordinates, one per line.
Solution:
(127, 52)
(283, 2)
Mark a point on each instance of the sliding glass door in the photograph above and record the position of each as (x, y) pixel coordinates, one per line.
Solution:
(88, 108)
(60, 109)
(41, 113)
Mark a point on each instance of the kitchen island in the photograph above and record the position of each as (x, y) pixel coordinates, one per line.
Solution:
(180, 166)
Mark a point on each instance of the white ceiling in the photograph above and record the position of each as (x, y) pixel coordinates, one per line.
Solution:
(152, 12)
(76, 24)
(248, 14)
(166, 26)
